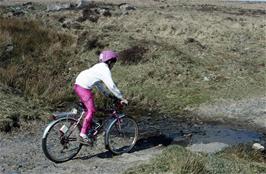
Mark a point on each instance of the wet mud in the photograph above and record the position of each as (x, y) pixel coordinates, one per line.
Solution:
(21, 152)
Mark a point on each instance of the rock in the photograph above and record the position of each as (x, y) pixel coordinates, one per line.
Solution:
(89, 14)
(104, 12)
(28, 5)
(18, 11)
(8, 15)
(9, 48)
(257, 146)
(71, 24)
(83, 3)
(62, 19)
(126, 7)
(125, 13)
(57, 7)
(2, 169)
(206, 79)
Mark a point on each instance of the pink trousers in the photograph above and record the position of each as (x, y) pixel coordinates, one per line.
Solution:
(87, 98)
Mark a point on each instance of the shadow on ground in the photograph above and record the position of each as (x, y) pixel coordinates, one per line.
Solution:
(141, 144)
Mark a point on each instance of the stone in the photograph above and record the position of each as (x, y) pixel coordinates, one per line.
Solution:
(257, 146)
(83, 3)
(57, 7)
(126, 7)
(104, 12)
(71, 24)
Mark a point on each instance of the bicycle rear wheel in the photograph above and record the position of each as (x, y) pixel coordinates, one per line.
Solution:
(121, 135)
(60, 140)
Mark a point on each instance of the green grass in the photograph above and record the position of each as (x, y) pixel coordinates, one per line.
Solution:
(176, 159)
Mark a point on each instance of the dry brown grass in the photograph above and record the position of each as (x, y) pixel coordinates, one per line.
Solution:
(244, 152)
(169, 49)
(38, 58)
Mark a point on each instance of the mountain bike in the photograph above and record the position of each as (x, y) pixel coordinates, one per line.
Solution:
(60, 140)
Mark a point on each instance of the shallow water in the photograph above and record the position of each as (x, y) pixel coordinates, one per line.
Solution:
(201, 137)
(215, 133)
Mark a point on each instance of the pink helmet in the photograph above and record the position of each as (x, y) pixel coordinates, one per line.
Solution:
(108, 55)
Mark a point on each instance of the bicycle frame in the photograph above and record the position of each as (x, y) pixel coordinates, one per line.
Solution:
(73, 115)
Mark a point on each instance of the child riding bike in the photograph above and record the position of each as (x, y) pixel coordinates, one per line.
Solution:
(90, 78)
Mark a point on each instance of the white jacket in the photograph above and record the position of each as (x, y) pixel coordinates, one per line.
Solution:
(94, 76)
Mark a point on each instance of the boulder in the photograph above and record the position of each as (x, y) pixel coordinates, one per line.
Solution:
(57, 7)
(83, 3)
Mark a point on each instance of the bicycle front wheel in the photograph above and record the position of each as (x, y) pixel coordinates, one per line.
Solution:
(121, 135)
(60, 140)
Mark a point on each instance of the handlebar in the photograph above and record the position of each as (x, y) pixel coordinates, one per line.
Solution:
(117, 101)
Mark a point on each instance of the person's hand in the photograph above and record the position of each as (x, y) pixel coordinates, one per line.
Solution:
(124, 101)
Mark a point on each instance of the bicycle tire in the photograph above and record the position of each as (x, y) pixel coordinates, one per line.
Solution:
(121, 135)
(54, 139)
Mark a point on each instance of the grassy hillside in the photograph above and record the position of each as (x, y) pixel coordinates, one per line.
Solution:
(173, 55)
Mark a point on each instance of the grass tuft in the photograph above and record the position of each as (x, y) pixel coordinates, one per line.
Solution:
(133, 55)
(244, 152)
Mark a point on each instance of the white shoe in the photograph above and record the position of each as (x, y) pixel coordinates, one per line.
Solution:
(84, 139)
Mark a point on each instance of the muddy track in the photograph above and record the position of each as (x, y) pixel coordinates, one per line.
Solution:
(21, 151)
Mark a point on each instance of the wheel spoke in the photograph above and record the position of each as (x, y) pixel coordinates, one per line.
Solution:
(72, 139)
(122, 135)
(60, 147)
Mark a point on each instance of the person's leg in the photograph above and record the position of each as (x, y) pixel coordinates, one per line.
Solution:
(87, 98)
(89, 104)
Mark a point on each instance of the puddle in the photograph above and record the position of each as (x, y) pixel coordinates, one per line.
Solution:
(199, 137)
(211, 133)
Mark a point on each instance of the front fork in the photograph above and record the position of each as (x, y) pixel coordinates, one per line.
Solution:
(118, 117)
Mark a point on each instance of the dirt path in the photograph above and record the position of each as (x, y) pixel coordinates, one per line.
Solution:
(22, 153)
(20, 150)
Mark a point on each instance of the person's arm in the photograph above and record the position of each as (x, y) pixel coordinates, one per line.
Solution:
(108, 81)
(102, 89)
